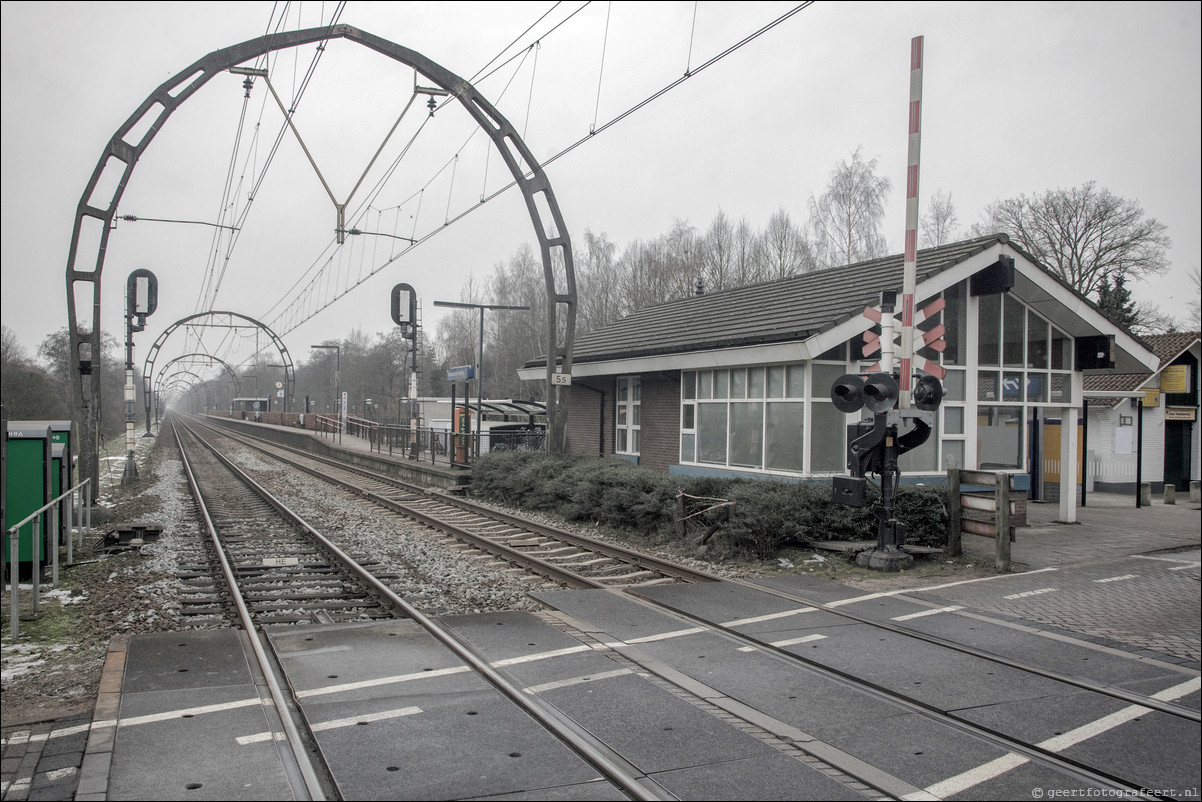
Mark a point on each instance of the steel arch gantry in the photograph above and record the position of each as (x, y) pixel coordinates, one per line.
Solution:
(127, 145)
(196, 357)
(152, 354)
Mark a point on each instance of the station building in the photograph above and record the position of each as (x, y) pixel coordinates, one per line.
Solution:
(737, 382)
(1145, 425)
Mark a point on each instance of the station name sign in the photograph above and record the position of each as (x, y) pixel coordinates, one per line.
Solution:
(461, 373)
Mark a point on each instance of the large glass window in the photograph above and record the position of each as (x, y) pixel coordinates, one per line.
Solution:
(828, 439)
(749, 417)
(1000, 437)
(989, 328)
(955, 323)
(627, 414)
(747, 435)
(1013, 333)
(784, 441)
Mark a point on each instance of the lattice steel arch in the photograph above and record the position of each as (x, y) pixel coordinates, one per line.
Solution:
(528, 174)
(158, 382)
(153, 353)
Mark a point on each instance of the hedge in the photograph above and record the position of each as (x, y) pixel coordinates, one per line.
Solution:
(769, 515)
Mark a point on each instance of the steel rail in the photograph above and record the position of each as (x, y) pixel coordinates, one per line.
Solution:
(640, 559)
(612, 766)
(312, 784)
(651, 562)
(1047, 673)
(1030, 751)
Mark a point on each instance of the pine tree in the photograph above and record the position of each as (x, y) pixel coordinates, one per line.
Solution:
(1114, 299)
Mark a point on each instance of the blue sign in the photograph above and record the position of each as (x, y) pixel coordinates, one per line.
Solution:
(462, 373)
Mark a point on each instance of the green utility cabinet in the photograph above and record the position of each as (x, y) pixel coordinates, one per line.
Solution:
(62, 434)
(28, 483)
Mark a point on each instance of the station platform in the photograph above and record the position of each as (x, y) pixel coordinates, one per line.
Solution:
(437, 470)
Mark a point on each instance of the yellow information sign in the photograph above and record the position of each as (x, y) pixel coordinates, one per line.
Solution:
(1175, 379)
(1151, 398)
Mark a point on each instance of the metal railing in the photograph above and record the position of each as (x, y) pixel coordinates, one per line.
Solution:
(441, 445)
(39, 530)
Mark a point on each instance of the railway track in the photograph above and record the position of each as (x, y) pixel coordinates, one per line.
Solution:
(278, 570)
(502, 534)
(565, 557)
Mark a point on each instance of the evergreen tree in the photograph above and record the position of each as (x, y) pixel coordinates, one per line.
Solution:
(1114, 299)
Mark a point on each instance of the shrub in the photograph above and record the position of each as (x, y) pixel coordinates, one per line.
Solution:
(767, 515)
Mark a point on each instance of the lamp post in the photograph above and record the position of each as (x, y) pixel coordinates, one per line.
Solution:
(337, 386)
(480, 355)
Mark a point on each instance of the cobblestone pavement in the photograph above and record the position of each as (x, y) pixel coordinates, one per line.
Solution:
(1149, 604)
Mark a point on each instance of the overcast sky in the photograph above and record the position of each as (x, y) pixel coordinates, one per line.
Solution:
(1018, 98)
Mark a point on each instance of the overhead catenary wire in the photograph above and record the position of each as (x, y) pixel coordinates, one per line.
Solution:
(294, 323)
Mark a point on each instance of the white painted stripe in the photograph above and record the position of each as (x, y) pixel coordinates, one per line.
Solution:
(738, 622)
(1188, 563)
(925, 613)
(984, 773)
(567, 683)
(887, 593)
(533, 658)
(795, 641)
(259, 738)
(174, 714)
(1027, 593)
(995, 768)
(668, 635)
(351, 721)
(322, 650)
(374, 683)
(1094, 728)
(1118, 578)
(1185, 567)
(1177, 691)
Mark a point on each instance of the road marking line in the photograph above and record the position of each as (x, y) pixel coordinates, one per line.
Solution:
(995, 768)
(372, 683)
(1185, 567)
(1119, 578)
(976, 776)
(532, 658)
(668, 635)
(1026, 593)
(738, 622)
(567, 683)
(186, 712)
(334, 724)
(884, 594)
(1188, 563)
(925, 613)
(795, 641)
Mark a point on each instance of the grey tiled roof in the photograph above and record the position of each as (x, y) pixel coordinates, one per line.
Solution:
(784, 310)
(1166, 346)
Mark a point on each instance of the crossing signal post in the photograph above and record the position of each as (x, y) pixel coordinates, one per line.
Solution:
(141, 299)
(874, 445)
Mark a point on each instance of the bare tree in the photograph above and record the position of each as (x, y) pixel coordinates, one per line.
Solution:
(597, 283)
(717, 253)
(845, 220)
(1195, 307)
(939, 222)
(783, 248)
(1083, 235)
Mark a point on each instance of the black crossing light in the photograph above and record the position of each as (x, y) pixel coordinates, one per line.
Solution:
(928, 393)
(880, 392)
(848, 393)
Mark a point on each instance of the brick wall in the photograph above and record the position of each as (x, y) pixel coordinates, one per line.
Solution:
(659, 418)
